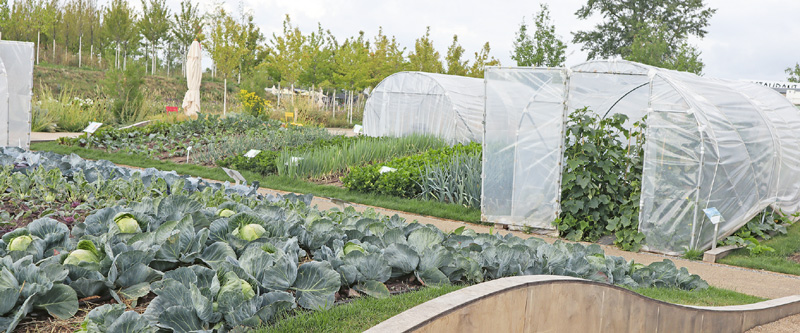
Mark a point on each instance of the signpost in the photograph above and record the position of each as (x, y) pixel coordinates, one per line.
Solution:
(716, 217)
(235, 175)
(93, 126)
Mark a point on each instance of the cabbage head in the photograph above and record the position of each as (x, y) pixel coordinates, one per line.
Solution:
(20, 243)
(225, 212)
(249, 232)
(127, 223)
(86, 252)
(233, 284)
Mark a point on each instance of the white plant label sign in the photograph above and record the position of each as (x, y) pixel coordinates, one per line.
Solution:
(358, 129)
(251, 153)
(93, 126)
(235, 175)
(713, 214)
(385, 169)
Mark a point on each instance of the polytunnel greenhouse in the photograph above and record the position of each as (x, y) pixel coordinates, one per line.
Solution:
(446, 106)
(16, 84)
(709, 143)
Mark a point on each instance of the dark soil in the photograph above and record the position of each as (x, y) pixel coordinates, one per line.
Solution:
(42, 322)
(795, 257)
(34, 212)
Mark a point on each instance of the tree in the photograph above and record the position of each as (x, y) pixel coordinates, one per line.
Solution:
(154, 25)
(386, 58)
(316, 61)
(119, 28)
(250, 41)
(456, 66)
(650, 47)
(351, 60)
(481, 61)
(285, 53)
(794, 74)
(188, 26)
(623, 19)
(224, 46)
(425, 58)
(544, 48)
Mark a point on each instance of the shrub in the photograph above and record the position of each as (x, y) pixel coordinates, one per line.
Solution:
(407, 180)
(123, 88)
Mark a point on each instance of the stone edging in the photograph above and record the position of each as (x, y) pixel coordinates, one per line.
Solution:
(566, 304)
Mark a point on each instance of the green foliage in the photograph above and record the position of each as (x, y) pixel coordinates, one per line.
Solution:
(692, 254)
(794, 73)
(188, 26)
(622, 20)
(119, 28)
(601, 182)
(123, 87)
(482, 60)
(782, 260)
(323, 161)
(544, 49)
(455, 181)
(763, 226)
(650, 47)
(274, 255)
(450, 174)
(425, 58)
(456, 66)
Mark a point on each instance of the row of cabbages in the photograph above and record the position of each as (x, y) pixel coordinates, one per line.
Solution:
(243, 262)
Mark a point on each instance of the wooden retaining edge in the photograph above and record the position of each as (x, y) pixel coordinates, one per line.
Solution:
(544, 303)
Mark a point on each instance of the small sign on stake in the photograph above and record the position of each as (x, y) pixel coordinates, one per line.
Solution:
(358, 129)
(188, 150)
(93, 126)
(251, 153)
(235, 175)
(716, 217)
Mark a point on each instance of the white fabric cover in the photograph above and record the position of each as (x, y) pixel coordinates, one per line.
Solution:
(709, 143)
(447, 106)
(15, 93)
(194, 73)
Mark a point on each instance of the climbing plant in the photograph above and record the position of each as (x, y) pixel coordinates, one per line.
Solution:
(602, 179)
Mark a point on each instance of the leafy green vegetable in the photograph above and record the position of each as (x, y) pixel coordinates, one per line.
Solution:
(127, 223)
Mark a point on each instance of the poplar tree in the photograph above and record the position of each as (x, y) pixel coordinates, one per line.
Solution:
(425, 58)
(456, 66)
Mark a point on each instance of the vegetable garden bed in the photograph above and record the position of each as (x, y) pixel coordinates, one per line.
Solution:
(221, 257)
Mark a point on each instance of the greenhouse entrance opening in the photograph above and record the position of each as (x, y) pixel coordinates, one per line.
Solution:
(708, 143)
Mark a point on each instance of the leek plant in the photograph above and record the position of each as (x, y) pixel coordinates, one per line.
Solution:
(324, 161)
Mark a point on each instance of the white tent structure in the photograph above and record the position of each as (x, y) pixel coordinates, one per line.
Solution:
(709, 143)
(16, 88)
(447, 106)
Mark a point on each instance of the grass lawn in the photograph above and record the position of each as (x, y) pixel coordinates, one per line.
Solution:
(778, 261)
(422, 207)
(709, 297)
(364, 313)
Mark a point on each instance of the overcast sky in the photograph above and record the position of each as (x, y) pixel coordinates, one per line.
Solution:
(746, 39)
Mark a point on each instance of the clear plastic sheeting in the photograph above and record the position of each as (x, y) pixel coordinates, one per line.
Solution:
(446, 106)
(17, 83)
(709, 143)
(523, 146)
